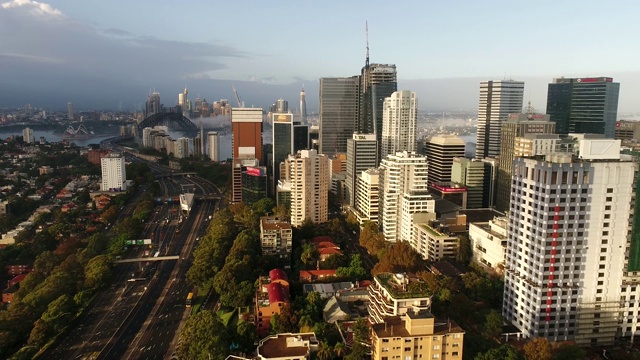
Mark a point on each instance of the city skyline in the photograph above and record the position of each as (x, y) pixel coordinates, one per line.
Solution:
(106, 53)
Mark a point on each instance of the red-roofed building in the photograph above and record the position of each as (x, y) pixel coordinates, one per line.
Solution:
(16, 280)
(326, 247)
(328, 251)
(18, 269)
(319, 239)
(313, 275)
(278, 275)
(272, 295)
(64, 194)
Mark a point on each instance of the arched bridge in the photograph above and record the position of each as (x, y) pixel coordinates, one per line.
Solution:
(168, 119)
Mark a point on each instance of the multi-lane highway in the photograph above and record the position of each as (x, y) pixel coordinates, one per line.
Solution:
(139, 314)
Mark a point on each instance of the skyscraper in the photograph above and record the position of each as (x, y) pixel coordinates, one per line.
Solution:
(213, 141)
(339, 101)
(362, 154)
(309, 174)
(403, 184)
(152, 106)
(303, 107)
(246, 125)
(399, 120)
(247, 133)
(440, 151)
(516, 125)
(289, 137)
(471, 174)
(70, 113)
(573, 248)
(378, 82)
(27, 135)
(114, 173)
(498, 99)
(183, 101)
(584, 105)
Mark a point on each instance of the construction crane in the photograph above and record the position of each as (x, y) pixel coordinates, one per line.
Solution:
(235, 92)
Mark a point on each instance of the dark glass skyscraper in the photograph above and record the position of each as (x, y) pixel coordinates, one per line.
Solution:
(378, 81)
(339, 106)
(288, 137)
(584, 105)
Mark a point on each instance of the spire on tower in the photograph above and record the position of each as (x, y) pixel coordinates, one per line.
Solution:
(366, 32)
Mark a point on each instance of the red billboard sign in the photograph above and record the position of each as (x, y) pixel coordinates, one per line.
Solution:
(254, 171)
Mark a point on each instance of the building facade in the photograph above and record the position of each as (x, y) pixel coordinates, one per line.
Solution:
(498, 99)
(27, 136)
(584, 105)
(378, 82)
(339, 105)
(440, 151)
(276, 239)
(362, 154)
(246, 125)
(470, 173)
(403, 178)
(489, 243)
(114, 173)
(309, 174)
(399, 121)
(417, 335)
(389, 295)
(213, 140)
(573, 251)
(517, 125)
(367, 203)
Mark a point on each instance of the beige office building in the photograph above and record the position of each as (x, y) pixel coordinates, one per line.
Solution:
(309, 174)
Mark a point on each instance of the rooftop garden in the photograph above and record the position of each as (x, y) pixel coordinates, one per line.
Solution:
(414, 289)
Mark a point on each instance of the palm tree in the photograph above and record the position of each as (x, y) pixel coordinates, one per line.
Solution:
(325, 352)
(339, 350)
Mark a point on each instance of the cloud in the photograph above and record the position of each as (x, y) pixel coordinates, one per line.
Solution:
(34, 7)
(40, 45)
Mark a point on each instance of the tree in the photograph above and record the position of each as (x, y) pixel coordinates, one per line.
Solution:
(465, 252)
(203, 336)
(371, 239)
(60, 312)
(263, 206)
(281, 211)
(361, 330)
(98, 271)
(40, 333)
(246, 336)
(358, 352)
(287, 321)
(310, 255)
(325, 352)
(355, 271)
(504, 352)
(538, 349)
(339, 349)
(568, 352)
(399, 258)
(45, 262)
(493, 324)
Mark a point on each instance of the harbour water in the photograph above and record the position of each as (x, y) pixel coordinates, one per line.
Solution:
(225, 139)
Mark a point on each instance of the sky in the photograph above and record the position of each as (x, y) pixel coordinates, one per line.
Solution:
(107, 54)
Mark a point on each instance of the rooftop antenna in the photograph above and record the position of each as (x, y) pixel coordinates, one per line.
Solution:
(366, 33)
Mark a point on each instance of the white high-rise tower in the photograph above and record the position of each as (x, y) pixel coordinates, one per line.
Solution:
(114, 172)
(573, 249)
(213, 141)
(498, 99)
(303, 107)
(403, 184)
(70, 113)
(399, 119)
